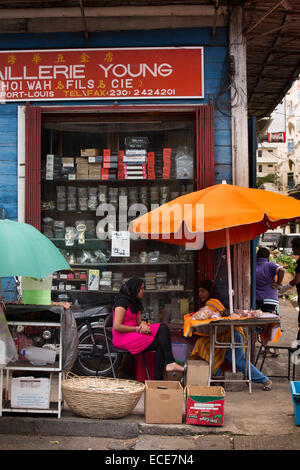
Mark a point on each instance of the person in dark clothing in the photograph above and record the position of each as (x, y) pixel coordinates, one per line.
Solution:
(269, 277)
(135, 335)
(296, 280)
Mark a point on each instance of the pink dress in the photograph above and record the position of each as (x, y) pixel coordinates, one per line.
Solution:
(132, 341)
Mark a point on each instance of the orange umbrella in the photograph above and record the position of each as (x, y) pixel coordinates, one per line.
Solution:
(218, 216)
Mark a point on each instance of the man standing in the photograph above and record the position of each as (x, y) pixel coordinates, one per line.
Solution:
(296, 280)
(269, 277)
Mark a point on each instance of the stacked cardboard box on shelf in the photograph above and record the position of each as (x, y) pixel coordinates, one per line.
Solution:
(151, 165)
(89, 152)
(82, 169)
(166, 163)
(68, 168)
(120, 165)
(106, 280)
(58, 168)
(150, 281)
(88, 168)
(110, 165)
(135, 158)
(95, 171)
(117, 279)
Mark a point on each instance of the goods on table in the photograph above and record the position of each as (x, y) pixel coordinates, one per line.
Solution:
(206, 313)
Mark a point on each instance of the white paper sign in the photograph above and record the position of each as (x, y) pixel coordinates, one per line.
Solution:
(120, 243)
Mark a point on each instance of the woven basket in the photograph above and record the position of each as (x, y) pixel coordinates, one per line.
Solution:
(98, 397)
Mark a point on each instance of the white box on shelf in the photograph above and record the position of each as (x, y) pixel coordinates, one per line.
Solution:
(30, 392)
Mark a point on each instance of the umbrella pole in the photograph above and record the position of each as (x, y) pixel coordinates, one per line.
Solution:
(229, 272)
(230, 297)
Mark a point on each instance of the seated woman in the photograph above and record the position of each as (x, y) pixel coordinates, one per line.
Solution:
(202, 346)
(134, 335)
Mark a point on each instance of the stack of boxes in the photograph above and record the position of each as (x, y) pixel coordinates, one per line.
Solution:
(82, 169)
(105, 283)
(133, 163)
(71, 198)
(166, 163)
(61, 198)
(121, 165)
(68, 168)
(135, 158)
(110, 165)
(53, 167)
(88, 169)
(117, 280)
(154, 281)
(151, 166)
(150, 281)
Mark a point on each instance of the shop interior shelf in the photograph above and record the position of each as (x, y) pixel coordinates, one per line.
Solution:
(147, 291)
(132, 264)
(111, 182)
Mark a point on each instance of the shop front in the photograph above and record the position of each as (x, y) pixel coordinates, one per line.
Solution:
(97, 131)
(104, 135)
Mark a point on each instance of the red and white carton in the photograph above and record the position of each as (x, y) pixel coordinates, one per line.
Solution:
(205, 405)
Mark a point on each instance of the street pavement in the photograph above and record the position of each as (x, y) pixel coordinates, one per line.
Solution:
(258, 421)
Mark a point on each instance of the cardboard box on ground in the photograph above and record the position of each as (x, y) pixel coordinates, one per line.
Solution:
(163, 402)
(197, 372)
(205, 405)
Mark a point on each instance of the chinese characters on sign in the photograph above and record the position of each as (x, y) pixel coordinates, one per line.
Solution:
(133, 73)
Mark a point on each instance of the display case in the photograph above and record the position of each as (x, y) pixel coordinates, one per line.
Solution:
(27, 384)
(99, 173)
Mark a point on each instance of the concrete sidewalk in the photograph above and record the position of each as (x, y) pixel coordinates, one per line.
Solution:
(258, 414)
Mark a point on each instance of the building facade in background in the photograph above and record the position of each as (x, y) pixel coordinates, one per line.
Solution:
(278, 153)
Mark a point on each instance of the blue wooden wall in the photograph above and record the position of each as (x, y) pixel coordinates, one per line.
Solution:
(216, 89)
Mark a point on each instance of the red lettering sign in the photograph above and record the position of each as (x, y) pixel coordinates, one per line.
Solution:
(96, 74)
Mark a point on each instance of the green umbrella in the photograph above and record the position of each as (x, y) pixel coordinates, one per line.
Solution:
(24, 251)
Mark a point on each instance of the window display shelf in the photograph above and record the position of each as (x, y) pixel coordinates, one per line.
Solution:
(156, 291)
(137, 160)
(120, 264)
(142, 182)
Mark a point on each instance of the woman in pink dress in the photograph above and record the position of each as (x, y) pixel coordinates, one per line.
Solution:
(134, 335)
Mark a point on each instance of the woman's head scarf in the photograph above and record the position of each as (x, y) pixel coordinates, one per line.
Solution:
(207, 285)
(211, 288)
(127, 296)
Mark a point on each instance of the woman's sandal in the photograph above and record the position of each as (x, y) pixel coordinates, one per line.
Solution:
(267, 386)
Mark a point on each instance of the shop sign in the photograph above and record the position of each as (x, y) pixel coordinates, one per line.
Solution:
(276, 137)
(93, 74)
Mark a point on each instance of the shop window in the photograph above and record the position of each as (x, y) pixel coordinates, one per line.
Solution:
(99, 172)
(182, 143)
